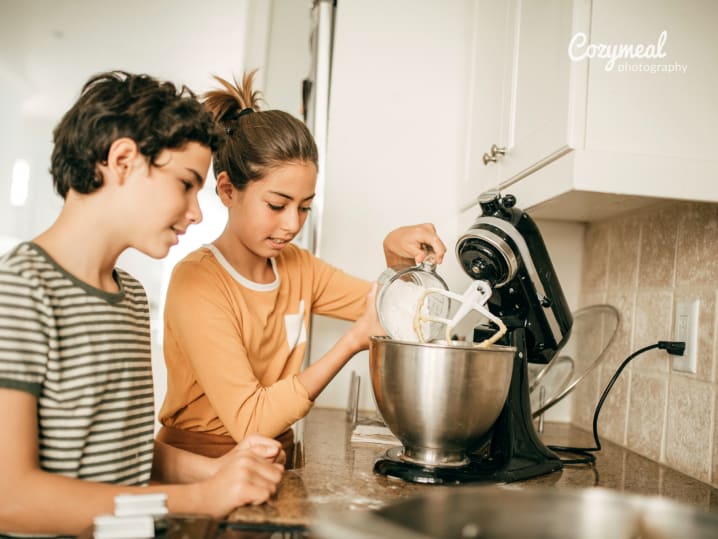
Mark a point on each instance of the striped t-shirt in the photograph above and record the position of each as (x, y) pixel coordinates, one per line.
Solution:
(85, 354)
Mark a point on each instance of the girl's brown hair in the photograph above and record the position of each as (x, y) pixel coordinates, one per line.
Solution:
(257, 140)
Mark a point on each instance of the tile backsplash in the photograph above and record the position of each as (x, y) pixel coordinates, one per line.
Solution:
(642, 264)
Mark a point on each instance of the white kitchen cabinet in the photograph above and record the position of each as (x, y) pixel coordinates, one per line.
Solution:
(585, 140)
(521, 88)
(488, 94)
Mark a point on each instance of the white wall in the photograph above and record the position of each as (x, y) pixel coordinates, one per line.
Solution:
(564, 242)
(277, 45)
(397, 119)
(49, 48)
(396, 135)
(397, 132)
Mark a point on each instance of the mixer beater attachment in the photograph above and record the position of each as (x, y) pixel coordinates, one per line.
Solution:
(473, 299)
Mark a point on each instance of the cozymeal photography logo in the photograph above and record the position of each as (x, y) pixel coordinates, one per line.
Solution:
(617, 55)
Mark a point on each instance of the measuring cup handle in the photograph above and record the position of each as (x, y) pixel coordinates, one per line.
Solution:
(429, 262)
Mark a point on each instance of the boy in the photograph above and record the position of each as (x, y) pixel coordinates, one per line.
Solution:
(76, 398)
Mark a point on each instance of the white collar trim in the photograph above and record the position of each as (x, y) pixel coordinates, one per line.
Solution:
(260, 287)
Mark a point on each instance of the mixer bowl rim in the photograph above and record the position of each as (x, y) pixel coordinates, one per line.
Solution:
(443, 345)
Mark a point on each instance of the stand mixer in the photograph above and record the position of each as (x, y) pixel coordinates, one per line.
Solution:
(504, 248)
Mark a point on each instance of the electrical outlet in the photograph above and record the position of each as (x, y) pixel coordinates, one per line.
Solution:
(686, 330)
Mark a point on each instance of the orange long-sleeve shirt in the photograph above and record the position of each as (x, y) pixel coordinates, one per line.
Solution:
(233, 347)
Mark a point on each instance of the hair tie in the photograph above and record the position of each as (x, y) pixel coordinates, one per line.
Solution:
(228, 129)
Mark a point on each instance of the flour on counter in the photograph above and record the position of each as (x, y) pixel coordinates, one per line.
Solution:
(373, 434)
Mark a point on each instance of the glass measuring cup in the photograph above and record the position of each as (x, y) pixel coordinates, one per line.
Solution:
(399, 293)
(414, 304)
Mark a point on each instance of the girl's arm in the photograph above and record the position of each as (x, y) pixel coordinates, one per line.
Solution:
(37, 502)
(173, 465)
(404, 246)
(316, 377)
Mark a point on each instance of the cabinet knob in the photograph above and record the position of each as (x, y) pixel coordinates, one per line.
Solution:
(493, 154)
(497, 150)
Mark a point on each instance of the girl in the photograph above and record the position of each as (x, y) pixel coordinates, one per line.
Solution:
(237, 310)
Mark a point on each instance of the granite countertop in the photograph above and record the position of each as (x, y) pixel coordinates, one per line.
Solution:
(337, 473)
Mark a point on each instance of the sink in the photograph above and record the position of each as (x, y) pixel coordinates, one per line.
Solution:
(512, 512)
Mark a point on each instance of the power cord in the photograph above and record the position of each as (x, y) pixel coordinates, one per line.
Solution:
(675, 348)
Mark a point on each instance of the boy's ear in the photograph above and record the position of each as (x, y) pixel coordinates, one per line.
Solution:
(225, 189)
(121, 157)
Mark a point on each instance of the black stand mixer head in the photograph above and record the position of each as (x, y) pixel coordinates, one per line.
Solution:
(504, 248)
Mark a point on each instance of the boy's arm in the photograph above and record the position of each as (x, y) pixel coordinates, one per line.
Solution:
(172, 465)
(39, 502)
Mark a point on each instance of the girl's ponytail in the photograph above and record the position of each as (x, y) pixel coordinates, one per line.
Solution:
(256, 140)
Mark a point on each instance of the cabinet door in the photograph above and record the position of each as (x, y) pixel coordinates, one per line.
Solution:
(488, 103)
(528, 96)
(540, 102)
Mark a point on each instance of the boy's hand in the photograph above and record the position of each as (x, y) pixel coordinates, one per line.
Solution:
(407, 245)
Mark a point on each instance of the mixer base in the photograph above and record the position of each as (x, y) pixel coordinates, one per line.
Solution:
(478, 471)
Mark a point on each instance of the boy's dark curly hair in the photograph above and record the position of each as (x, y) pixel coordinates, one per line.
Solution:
(115, 104)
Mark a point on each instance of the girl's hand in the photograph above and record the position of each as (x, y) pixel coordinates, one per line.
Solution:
(243, 478)
(262, 446)
(407, 245)
(367, 324)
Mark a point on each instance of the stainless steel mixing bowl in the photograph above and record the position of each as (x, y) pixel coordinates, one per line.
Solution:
(439, 399)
